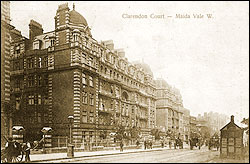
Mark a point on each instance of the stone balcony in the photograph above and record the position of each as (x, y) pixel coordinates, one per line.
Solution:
(106, 93)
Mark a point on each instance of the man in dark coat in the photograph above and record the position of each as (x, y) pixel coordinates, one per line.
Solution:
(162, 144)
(121, 146)
(170, 144)
(27, 147)
(150, 144)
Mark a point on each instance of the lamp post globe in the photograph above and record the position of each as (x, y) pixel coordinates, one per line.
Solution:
(70, 118)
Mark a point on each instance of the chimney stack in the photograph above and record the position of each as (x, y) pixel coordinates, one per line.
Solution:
(120, 53)
(35, 29)
(109, 44)
(232, 118)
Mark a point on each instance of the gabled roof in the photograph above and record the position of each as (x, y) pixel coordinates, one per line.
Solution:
(232, 124)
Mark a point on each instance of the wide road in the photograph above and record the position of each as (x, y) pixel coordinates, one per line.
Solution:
(160, 156)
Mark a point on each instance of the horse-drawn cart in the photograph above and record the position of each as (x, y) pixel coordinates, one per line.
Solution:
(195, 140)
(178, 143)
(214, 143)
(12, 156)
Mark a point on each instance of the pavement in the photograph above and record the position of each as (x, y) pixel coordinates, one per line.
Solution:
(61, 156)
(217, 159)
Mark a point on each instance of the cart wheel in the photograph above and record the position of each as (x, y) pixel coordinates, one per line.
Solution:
(18, 158)
(3, 160)
(3, 157)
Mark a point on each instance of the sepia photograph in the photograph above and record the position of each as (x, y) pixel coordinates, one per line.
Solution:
(124, 82)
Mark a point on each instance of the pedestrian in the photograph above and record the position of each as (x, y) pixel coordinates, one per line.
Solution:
(145, 144)
(162, 144)
(174, 143)
(151, 145)
(27, 148)
(121, 146)
(170, 144)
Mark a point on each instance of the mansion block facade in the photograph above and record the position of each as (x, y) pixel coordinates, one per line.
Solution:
(67, 72)
(170, 111)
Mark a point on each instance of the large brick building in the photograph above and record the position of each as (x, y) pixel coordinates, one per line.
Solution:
(67, 72)
(6, 122)
(169, 107)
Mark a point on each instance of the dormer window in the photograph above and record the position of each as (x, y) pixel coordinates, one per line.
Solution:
(49, 41)
(36, 44)
(75, 35)
(47, 44)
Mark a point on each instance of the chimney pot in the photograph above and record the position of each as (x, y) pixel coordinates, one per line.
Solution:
(232, 118)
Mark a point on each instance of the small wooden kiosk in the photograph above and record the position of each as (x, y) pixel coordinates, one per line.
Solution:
(231, 141)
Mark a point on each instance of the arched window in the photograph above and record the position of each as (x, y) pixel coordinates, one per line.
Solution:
(75, 37)
(125, 96)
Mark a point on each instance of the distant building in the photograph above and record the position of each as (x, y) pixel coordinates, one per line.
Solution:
(169, 114)
(193, 123)
(186, 123)
(203, 127)
(212, 121)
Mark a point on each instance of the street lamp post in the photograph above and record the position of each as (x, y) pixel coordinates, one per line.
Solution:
(96, 126)
(44, 131)
(70, 150)
(70, 118)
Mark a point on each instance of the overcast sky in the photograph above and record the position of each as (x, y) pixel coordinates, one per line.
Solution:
(206, 59)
